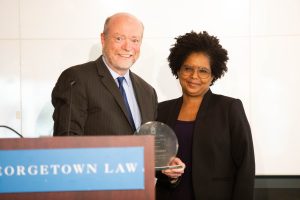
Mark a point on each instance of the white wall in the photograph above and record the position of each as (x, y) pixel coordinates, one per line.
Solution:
(41, 38)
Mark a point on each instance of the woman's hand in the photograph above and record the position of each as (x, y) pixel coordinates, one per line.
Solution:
(174, 173)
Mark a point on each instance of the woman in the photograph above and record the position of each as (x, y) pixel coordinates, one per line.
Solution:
(215, 142)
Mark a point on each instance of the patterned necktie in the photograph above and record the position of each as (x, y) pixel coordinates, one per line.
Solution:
(121, 88)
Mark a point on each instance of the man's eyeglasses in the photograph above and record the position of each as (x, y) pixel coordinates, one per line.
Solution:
(122, 38)
(202, 72)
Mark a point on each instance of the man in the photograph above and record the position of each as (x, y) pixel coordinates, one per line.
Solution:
(89, 99)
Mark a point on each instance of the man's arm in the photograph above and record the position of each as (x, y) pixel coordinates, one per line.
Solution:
(69, 117)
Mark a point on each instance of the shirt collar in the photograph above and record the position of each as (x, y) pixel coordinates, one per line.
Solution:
(114, 74)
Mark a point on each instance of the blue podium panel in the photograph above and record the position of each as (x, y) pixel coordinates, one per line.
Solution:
(72, 169)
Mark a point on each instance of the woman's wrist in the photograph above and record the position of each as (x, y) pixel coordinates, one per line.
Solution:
(173, 180)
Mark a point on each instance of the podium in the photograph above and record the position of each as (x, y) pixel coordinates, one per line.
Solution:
(110, 178)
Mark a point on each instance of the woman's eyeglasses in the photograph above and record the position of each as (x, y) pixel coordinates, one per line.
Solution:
(202, 72)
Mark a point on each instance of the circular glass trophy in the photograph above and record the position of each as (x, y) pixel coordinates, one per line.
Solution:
(166, 144)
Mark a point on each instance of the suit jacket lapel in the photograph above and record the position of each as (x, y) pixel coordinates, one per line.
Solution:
(204, 105)
(139, 95)
(200, 115)
(110, 85)
(202, 146)
(174, 115)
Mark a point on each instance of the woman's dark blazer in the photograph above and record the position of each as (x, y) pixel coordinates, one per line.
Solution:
(223, 165)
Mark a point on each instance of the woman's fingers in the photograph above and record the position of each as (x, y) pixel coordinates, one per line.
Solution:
(177, 171)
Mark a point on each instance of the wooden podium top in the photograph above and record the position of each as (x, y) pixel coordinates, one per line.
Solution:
(87, 142)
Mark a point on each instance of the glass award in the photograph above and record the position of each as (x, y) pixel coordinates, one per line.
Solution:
(166, 143)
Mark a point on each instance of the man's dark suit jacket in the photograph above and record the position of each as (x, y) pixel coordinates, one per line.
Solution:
(223, 165)
(97, 106)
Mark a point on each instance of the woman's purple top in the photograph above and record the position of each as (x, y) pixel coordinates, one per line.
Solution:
(184, 132)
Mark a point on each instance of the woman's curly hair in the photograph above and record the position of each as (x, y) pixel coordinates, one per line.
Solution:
(195, 43)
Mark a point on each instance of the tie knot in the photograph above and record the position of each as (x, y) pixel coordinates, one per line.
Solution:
(120, 80)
